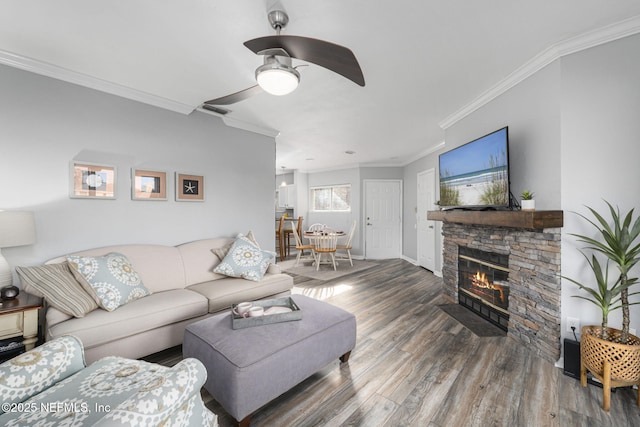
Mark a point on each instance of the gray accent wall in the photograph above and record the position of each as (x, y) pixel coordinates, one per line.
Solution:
(532, 111)
(46, 123)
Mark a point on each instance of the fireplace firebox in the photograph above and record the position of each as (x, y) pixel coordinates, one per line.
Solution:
(483, 285)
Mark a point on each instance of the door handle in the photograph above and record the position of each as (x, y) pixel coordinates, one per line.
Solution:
(431, 227)
(369, 223)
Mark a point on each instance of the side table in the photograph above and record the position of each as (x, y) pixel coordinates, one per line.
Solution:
(19, 317)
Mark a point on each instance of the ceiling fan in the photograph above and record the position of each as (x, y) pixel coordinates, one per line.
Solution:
(277, 76)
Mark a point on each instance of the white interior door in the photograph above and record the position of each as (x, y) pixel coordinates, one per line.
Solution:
(383, 219)
(426, 229)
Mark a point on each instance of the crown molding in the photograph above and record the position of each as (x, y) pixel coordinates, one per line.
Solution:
(59, 73)
(584, 41)
(250, 127)
(56, 72)
(425, 153)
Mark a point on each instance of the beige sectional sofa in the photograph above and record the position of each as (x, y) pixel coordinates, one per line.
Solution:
(183, 288)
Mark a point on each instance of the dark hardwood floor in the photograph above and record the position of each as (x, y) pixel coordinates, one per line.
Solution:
(414, 365)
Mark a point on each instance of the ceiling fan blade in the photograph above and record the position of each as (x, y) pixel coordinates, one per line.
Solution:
(336, 58)
(236, 97)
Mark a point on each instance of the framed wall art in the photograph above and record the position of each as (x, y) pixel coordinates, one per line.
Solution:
(93, 181)
(148, 184)
(189, 188)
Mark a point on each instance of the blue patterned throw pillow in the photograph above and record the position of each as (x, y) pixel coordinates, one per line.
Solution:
(109, 279)
(246, 260)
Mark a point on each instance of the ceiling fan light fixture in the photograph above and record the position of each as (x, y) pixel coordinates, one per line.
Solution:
(277, 78)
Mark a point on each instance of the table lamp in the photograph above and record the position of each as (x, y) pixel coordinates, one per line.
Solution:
(17, 228)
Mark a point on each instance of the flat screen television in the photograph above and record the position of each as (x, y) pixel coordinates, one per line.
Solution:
(476, 174)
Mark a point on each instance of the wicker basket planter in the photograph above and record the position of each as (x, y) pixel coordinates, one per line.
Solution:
(612, 363)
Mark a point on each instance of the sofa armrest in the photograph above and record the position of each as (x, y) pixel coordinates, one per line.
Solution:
(38, 369)
(171, 395)
(274, 269)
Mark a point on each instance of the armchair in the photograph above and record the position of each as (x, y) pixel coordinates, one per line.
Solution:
(50, 385)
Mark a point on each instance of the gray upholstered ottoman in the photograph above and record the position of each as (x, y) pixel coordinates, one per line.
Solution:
(247, 368)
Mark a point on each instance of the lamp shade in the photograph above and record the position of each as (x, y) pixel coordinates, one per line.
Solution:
(17, 228)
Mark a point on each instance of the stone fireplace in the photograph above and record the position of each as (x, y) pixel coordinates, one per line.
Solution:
(530, 253)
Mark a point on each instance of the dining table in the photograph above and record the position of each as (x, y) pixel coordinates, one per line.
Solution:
(313, 236)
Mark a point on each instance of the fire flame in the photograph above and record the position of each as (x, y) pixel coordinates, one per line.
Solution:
(480, 280)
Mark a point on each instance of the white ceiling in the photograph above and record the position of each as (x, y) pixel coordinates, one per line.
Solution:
(425, 63)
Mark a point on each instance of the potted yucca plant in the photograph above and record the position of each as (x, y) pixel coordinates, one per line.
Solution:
(611, 355)
(605, 296)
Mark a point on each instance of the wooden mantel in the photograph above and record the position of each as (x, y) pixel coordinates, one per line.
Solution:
(514, 219)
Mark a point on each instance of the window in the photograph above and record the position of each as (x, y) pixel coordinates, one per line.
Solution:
(335, 198)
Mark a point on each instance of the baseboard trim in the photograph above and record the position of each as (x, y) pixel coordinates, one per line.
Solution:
(411, 260)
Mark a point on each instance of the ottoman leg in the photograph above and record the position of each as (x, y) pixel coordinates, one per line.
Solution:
(345, 357)
(246, 421)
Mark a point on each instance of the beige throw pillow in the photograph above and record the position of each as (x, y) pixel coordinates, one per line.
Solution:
(59, 287)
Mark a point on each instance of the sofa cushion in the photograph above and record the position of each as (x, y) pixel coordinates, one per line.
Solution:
(198, 261)
(110, 279)
(55, 316)
(156, 310)
(59, 287)
(224, 292)
(245, 260)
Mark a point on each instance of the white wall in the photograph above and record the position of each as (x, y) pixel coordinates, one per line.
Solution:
(302, 194)
(600, 156)
(339, 220)
(287, 178)
(410, 220)
(47, 123)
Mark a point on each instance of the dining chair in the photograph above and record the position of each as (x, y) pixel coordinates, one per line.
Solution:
(325, 244)
(280, 238)
(300, 220)
(346, 246)
(289, 231)
(300, 247)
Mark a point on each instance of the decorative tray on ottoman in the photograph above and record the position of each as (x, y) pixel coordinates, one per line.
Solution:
(239, 322)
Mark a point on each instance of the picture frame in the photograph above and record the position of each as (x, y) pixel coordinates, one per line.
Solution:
(92, 181)
(189, 188)
(148, 184)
